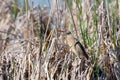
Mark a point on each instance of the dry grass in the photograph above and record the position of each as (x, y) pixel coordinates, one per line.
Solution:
(33, 44)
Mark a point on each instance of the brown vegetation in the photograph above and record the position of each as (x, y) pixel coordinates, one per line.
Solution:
(33, 45)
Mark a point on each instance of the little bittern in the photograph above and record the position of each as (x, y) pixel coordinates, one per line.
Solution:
(76, 47)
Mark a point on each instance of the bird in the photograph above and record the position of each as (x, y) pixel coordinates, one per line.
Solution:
(75, 46)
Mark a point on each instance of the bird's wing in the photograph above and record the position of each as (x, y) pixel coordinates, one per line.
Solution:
(79, 47)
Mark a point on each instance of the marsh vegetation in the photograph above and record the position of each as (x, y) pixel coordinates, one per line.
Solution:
(33, 42)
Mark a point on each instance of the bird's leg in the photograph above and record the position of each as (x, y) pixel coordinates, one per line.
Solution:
(82, 65)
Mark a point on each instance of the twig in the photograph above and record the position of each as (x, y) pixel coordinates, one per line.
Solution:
(72, 17)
